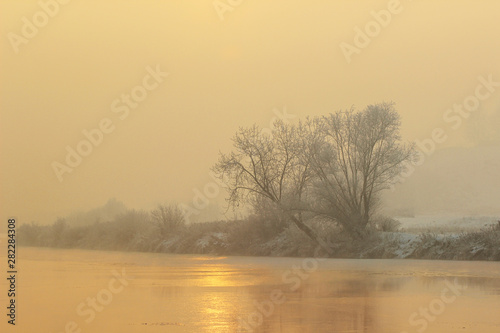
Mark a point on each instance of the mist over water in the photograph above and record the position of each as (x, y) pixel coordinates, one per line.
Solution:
(188, 293)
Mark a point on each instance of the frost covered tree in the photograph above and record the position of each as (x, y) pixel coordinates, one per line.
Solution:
(168, 218)
(353, 156)
(333, 166)
(269, 167)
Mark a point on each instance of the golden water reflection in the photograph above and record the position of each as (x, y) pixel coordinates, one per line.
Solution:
(178, 293)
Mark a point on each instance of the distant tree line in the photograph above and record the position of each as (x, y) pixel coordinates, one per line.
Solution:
(265, 232)
(162, 229)
(129, 230)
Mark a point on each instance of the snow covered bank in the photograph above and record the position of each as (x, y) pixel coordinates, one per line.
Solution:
(245, 237)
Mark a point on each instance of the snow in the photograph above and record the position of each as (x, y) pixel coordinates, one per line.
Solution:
(446, 224)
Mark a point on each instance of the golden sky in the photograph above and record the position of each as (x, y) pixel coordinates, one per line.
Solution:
(228, 66)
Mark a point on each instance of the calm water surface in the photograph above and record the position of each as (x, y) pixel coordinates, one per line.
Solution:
(99, 291)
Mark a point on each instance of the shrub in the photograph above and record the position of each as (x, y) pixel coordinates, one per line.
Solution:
(386, 224)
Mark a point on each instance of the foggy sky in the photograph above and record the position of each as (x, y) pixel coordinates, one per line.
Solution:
(264, 56)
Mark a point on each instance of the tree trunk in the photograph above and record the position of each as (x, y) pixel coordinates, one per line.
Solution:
(310, 233)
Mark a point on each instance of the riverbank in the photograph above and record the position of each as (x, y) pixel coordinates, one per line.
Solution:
(247, 238)
(483, 245)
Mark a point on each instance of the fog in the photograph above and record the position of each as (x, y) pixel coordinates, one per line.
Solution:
(459, 181)
(253, 63)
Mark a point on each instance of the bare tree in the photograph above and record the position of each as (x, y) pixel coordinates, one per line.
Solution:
(333, 166)
(269, 167)
(167, 218)
(353, 156)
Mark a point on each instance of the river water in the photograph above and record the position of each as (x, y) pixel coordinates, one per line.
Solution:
(99, 291)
